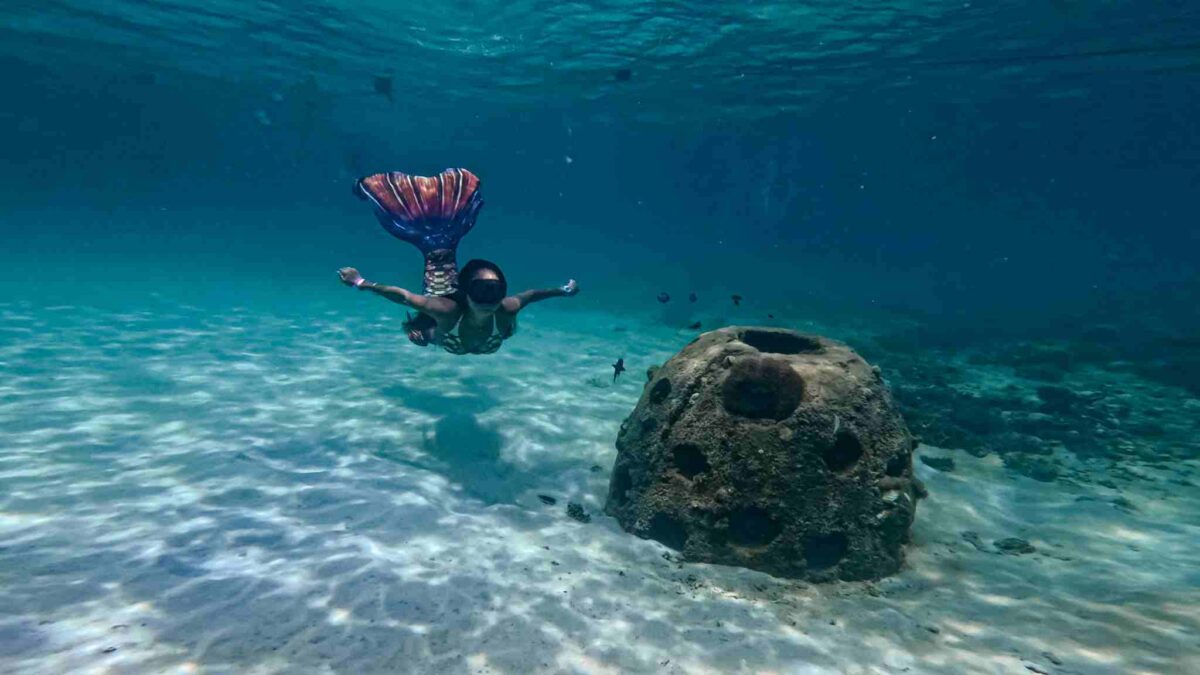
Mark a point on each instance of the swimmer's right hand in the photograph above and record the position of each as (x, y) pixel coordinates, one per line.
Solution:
(419, 338)
(350, 276)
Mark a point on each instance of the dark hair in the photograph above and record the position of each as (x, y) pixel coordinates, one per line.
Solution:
(482, 291)
(421, 322)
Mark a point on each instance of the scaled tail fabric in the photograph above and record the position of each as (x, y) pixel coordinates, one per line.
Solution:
(433, 213)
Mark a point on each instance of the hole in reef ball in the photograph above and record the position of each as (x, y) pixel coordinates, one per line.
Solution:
(621, 484)
(845, 451)
(762, 389)
(660, 391)
(780, 342)
(752, 527)
(668, 531)
(689, 460)
(822, 551)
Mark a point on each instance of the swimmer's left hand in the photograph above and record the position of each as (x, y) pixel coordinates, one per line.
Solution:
(570, 288)
(350, 276)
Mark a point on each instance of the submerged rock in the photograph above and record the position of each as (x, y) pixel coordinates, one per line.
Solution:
(576, 511)
(940, 463)
(1013, 546)
(973, 539)
(1037, 468)
(769, 449)
(1018, 442)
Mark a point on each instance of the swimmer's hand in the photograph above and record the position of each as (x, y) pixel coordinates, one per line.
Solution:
(526, 298)
(351, 277)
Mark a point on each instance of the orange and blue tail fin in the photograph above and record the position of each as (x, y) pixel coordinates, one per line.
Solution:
(431, 212)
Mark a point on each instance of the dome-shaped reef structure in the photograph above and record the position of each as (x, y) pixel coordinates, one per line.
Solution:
(769, 449)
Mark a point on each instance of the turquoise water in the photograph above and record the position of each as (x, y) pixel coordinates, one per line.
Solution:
(216, 458)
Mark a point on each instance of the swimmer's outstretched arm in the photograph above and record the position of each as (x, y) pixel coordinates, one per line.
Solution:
(351, 277)
(527, 297)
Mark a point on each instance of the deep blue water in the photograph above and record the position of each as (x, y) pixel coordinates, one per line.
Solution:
(1015, 166)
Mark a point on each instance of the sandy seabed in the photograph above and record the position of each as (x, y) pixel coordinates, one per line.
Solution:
(190, 492)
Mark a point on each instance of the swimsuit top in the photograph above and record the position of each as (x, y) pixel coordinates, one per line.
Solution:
(453, 344)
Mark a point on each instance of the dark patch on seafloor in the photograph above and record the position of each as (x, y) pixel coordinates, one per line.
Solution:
(1014, 546)
(577, 512)
(1104, 394)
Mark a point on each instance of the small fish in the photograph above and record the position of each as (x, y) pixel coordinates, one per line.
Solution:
(623, 75)
(547, 499)
(664, 298)
(383, 86)
(692, 296)
(770, 316)
(737, 299)
(695, 326)
(618, 368)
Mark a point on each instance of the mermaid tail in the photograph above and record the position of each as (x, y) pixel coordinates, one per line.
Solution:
(433, 213)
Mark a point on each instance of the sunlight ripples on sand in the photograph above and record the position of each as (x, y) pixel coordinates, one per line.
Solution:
(267, 494)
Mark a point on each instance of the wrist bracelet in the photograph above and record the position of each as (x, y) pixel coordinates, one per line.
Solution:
(360, 282)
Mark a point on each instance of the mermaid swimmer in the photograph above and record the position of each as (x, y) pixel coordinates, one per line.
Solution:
(464, 311)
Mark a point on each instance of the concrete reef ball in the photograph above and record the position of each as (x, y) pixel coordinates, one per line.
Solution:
(769, 449)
